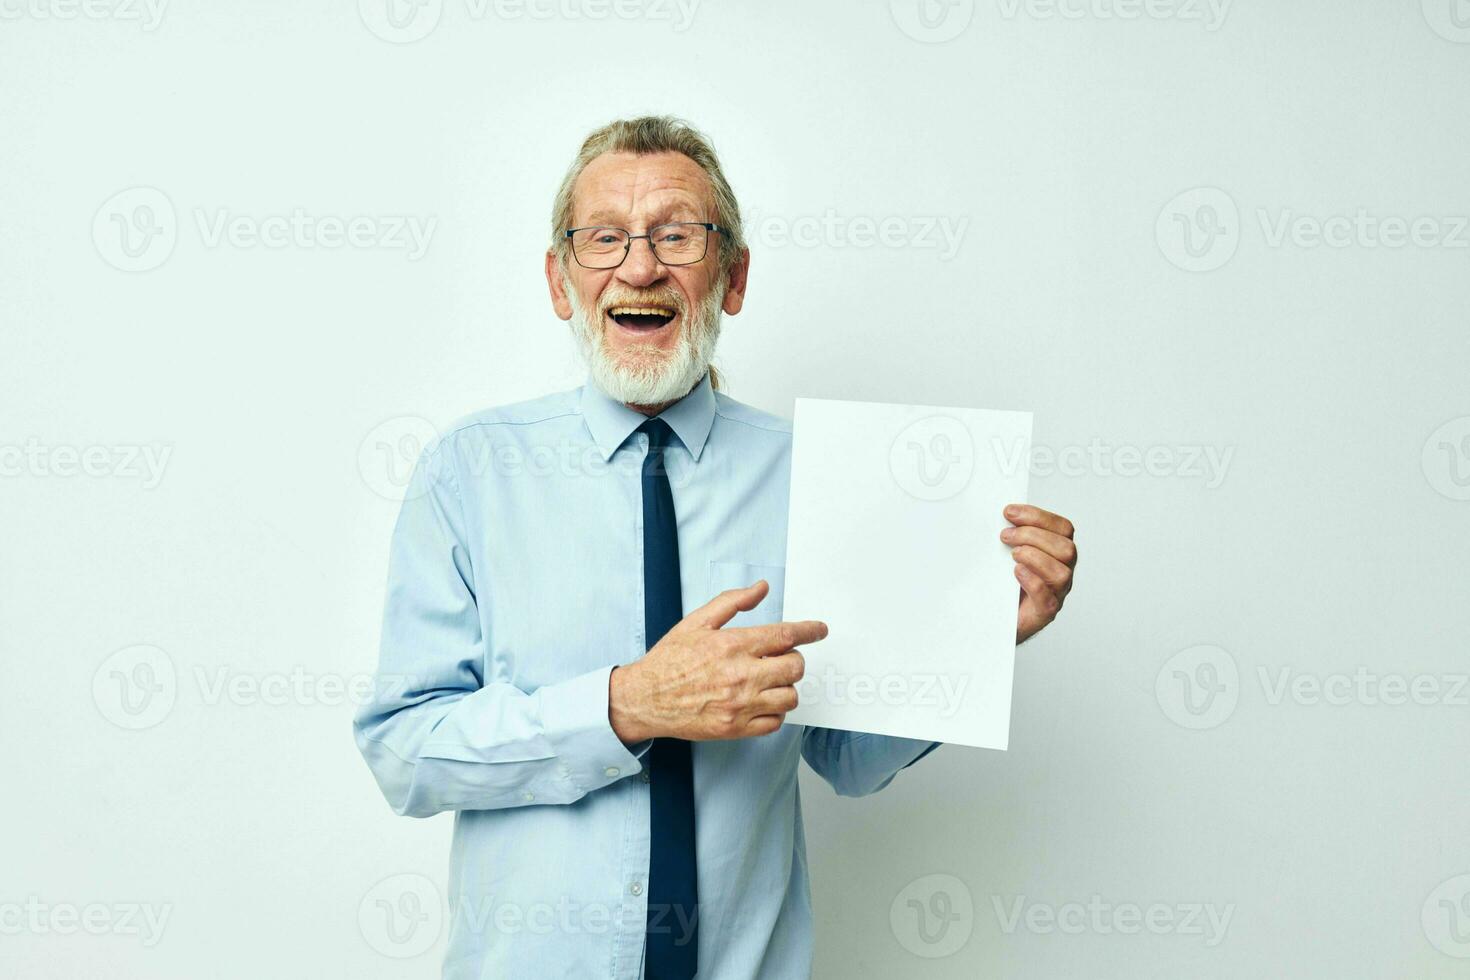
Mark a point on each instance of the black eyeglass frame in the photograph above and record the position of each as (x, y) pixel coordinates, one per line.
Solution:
(708, 226)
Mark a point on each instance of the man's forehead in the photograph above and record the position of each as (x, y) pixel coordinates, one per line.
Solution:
(627, 185)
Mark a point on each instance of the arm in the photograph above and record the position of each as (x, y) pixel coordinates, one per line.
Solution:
(859, 763)
(436, 736)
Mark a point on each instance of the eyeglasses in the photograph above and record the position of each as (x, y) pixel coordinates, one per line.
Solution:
(677, 243)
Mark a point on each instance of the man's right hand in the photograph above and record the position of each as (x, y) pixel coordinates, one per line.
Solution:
(705, 682)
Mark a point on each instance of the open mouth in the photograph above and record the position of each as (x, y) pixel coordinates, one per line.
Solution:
(641, 317)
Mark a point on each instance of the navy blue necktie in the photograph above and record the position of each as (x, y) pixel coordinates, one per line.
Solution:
(672, 951)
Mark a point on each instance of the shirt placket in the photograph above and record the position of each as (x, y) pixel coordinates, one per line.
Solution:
(632, 920)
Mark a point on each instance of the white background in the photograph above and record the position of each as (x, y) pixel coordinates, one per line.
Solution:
(1334, 539)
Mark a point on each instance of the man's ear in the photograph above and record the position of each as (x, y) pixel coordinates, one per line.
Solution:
(559, 301)
(735, 288)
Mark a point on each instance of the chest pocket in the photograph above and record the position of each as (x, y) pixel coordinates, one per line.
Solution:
(737, 575)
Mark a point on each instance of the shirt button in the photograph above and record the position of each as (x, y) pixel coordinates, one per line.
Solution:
(528, 797)
(636, 888)
(611, 772)
(643, 775)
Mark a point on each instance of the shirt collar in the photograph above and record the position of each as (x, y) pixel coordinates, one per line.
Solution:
(611, 422)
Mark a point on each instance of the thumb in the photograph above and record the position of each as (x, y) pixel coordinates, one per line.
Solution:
(723, 607)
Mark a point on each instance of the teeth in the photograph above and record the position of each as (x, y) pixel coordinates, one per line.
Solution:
(640, 310)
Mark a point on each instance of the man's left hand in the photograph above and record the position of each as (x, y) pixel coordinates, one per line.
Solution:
(1045, 557)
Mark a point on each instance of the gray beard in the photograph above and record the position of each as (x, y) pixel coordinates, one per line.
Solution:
(642, 374)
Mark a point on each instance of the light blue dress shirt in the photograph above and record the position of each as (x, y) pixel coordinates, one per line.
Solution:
(515, 586)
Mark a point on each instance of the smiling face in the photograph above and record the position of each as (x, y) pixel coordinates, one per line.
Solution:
(647, 329)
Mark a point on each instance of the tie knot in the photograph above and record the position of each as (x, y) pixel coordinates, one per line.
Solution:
(658, 433)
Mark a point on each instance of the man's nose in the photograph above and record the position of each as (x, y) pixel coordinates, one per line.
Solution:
(641, 267)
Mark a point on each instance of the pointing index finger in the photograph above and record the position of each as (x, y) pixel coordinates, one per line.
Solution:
(760, 641)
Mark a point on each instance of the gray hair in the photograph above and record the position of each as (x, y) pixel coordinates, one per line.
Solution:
(642, 136)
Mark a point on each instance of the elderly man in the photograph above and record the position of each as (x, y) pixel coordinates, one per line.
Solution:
(583, 655)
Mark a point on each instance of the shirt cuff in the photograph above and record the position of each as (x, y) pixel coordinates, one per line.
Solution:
(575, 721)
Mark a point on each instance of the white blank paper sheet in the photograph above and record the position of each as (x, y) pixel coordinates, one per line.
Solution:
(894, 542)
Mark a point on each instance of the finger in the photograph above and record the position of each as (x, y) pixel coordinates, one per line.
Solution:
(775, 701)
(1058, 577)
(1026, 514)
(1060, 548)
(723, 607)
(1043, 602)
(780, 670)
(762, 641)
(762, 725)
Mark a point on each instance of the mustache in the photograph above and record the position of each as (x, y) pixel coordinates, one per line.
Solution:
(633, 297)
